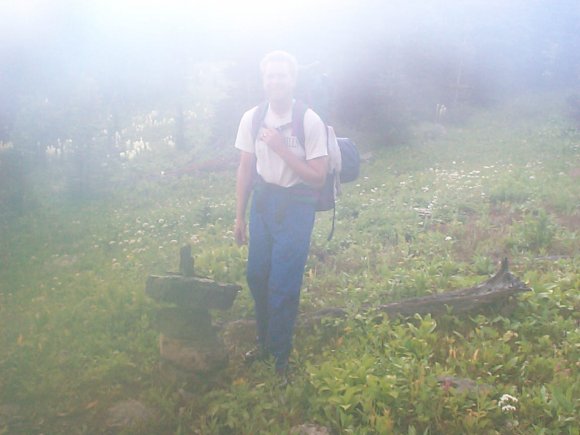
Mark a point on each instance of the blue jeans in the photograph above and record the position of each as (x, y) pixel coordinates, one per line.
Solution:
(280, 230)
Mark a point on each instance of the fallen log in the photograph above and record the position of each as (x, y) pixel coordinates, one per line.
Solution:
(496, 289)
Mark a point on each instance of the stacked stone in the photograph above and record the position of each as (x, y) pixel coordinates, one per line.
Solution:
(189, 345)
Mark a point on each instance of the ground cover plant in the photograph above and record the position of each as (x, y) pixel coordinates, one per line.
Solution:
(426, 216)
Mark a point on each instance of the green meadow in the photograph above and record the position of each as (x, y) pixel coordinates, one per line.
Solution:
(433, 213)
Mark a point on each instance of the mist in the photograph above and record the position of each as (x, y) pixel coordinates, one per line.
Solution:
(77, 71)
(447, 299)
(48, 46)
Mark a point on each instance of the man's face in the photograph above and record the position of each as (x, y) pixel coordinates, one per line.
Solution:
(278, 81)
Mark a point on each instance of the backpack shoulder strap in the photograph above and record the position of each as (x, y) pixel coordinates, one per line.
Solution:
(298, 112)
(258, 119)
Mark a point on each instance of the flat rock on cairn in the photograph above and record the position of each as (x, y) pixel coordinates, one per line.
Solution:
(189, 345)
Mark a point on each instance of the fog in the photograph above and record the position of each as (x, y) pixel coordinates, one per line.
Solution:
(413, 49)
(44, 39)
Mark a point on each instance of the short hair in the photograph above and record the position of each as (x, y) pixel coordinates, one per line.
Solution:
(280, 56)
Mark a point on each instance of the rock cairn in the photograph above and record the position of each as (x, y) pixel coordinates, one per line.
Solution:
(189, 345)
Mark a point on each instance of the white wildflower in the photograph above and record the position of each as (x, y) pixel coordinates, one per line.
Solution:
(507, 398)
(507, 402)
(52, 151)
(5, 146)
(508, 408)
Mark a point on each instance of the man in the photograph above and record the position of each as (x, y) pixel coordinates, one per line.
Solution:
(282, 210)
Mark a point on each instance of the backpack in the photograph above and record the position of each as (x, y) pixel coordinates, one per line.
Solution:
(343, 156)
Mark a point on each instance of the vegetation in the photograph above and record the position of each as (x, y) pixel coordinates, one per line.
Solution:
(427, 216)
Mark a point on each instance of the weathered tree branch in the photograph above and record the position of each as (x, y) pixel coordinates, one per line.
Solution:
(496, 289)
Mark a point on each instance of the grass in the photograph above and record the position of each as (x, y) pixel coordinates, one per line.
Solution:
(77, 336)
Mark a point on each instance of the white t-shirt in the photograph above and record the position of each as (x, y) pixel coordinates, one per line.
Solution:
(270, 165)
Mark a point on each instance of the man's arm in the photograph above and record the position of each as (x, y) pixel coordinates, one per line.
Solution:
(244, 180)
(312, 172)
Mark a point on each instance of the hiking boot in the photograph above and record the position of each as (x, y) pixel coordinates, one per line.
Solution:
(256, 354)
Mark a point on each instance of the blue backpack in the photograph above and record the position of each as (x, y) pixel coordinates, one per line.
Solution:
(344, 157)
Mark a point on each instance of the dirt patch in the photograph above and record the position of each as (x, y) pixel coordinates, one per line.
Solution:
(571, 222)
(473, 232)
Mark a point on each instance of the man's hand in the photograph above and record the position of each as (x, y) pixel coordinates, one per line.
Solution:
(312, 172)
(240, 232)
(243, 188)
(274, 139)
